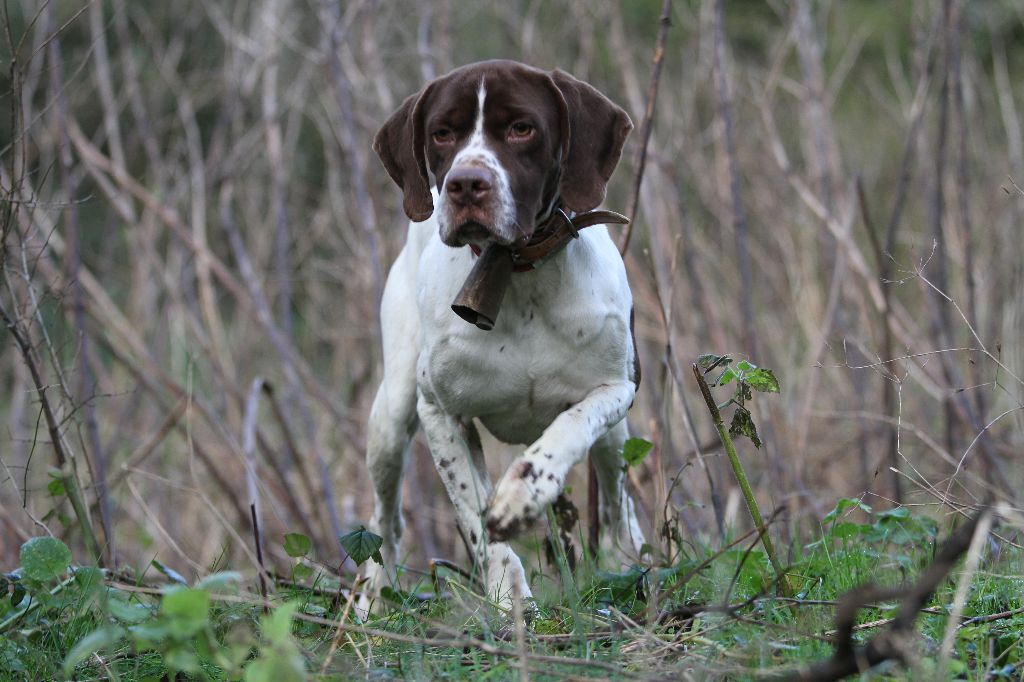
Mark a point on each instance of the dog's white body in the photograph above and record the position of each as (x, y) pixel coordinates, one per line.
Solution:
(552, 374)
(556, 374)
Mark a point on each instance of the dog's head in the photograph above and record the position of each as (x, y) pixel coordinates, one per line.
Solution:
(503, 141)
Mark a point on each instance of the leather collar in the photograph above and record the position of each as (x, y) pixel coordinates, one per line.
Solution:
(554, 234)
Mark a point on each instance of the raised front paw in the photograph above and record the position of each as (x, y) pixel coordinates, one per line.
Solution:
(519, 499)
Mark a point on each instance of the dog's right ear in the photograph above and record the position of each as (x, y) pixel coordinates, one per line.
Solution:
(399, 144)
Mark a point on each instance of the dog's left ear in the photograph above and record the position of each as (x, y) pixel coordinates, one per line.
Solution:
(399, 144)
(594, 129)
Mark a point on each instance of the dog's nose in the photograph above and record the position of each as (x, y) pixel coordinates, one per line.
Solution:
(468, 184)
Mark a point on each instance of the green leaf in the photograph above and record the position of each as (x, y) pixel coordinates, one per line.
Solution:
(90, 644)
(297, 545)
(301, 571)
(634, 450)
(725, 377)
(56, 487)
(743, 425)
(128, 612)
(708, 361)
(17, 594)
(841, 506)
(361, 544)
(277, 627)
(169, 572)
(219, 580)
(745, 366)
(44, 558)
(88, 578)
(763, 380)
(187, 610)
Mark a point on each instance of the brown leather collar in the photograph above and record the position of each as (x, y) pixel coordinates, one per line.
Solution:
(558, 231)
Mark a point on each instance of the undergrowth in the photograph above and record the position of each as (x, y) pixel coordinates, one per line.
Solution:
(711, 611)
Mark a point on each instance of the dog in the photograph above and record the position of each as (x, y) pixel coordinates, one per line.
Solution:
(489, 154)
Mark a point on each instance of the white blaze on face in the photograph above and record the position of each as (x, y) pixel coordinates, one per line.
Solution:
(501, 207)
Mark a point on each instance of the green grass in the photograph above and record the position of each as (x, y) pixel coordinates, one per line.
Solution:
(598, 624)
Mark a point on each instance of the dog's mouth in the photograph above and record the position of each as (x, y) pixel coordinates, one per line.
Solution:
(473, 230)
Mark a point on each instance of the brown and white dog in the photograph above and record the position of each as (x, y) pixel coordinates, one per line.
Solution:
(486, 154)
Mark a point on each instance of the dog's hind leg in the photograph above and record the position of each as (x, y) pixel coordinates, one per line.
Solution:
(391, 425)
(621, 537)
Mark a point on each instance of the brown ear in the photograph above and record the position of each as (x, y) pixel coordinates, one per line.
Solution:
(399, 144)
(597, 130)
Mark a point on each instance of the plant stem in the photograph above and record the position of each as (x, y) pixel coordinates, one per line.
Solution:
(741, 478)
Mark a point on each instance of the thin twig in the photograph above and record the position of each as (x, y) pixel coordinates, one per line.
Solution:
(640, 162)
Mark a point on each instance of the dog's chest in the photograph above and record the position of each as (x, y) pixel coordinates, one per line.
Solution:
(548, 350)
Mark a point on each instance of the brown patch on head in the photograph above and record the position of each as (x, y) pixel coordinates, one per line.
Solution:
(399, 144)
(575, 139)
(597, 130)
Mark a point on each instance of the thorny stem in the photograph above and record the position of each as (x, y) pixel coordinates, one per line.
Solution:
(741, 478)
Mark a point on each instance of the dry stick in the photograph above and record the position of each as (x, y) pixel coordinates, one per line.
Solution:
(741, 479)
(974, 553)
(640, 162)
(723, 84)
(289, 440)
(90, 154)
(64, 460)
(285, 350)
(275, 157)
(259, 556)
(152, 376)
(145, 376)
(941, 323)
(335, 34)
(963, 200)
(884, 263)
(143, 451)
(248, 451)
(739, 213)
(73, 255)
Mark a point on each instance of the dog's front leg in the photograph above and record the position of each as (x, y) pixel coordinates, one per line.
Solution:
(455, 448)
(534, 480)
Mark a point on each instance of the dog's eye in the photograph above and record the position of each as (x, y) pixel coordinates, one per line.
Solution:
(520, 131)
(443, 136)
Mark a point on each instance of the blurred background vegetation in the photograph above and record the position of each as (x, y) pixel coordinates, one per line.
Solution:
(196, 233)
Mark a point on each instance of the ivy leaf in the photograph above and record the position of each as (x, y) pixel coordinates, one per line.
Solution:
(743, 425)
(361, 544)
(763, 380)
(634, 450)
(297, 545)
(44, 558)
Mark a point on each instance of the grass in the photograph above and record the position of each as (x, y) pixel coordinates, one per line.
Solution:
(640, 623)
